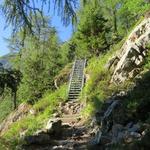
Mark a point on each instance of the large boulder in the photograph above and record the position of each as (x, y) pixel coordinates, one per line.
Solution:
(112, 126)
(47, 134)
(132, 54)
(54, 127)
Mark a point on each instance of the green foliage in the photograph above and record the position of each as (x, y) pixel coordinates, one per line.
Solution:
(130, 12)
(123, 14)
(91, 37)
(110, 9)
(98, 87)
(63, 76)
(9, 78)
(137, 101)
(51, 100)
(5, 105)
(44, 109)
(101, 24)
(40, 60)
(67, 52)
(19, 14)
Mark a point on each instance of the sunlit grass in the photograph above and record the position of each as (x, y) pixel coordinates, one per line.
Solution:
(44, 109)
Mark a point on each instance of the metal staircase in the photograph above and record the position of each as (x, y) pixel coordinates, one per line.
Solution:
(76, 79)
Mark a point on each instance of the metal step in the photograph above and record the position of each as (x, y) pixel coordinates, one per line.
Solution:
(74, 94)
(75, 91)
(76, 80)
(75, 86)
(74, 83)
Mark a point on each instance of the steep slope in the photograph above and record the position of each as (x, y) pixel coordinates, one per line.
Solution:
(133, 52)
(66, 131)
(122, 119)
(108, 115)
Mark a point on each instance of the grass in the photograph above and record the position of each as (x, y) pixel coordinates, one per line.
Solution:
(98, 87)
(44, 109)
(63, 75)
(95, 92)
(5, 106)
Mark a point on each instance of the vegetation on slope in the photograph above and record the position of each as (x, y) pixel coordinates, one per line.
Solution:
(43, 110)
(100, 30)
(98, 87)
(5, 106)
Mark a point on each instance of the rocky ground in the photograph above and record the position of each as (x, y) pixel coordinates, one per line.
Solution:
(115, 129)
(66, 131)
(109, 127)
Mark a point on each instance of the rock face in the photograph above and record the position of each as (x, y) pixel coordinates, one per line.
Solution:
(110, 131)
(16, 115)
(104, 119)
(116, 127)
(132, 53)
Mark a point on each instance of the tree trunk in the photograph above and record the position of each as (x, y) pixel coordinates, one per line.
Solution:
(127, 26)
(14, 95)
(115, 21)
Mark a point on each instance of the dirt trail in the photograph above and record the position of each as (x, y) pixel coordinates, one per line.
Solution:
(75, 134)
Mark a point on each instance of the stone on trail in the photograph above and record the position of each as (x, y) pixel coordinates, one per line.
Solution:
(54, 127)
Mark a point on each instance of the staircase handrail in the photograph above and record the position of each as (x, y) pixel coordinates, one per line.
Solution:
(71, 75)
(83, 73)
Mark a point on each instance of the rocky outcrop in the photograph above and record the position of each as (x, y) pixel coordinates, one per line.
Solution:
(115, 124)
(21, 112)
(132, 53)
(108, 130)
